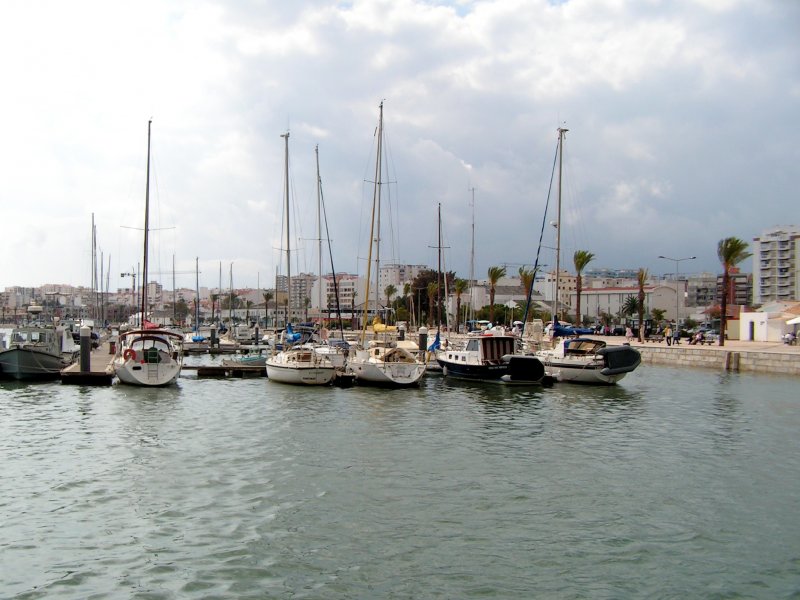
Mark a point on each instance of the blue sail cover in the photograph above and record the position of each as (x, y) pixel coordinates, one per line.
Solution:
(437, 343)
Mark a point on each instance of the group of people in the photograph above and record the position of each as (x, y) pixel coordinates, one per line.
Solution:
(672, 336)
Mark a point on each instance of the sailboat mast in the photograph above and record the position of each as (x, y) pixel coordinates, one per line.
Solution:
(561, 132)
(319, 231)
(143, 279)
(378, 176)
(376, 195)
(285, 136)
(472, 263)
(197, 293)
(439, 275)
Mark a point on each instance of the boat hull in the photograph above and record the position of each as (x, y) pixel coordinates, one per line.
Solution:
(606, 366)
(148, 375)
(298, 375)
(29, 363)
(514, 370)
(393, 368)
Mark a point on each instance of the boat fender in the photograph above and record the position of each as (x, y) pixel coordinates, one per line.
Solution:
(129, 354)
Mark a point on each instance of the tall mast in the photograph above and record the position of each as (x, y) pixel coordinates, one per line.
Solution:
(378, 177)
(561, 132)
(376, 197)
(285, 136)
(197, 294)
(439, 275)
(319, 231)
(143, 278)
(472, 262)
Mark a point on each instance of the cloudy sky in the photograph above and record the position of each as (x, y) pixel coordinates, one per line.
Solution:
(683, 118)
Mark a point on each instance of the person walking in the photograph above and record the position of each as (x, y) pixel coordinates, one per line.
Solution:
(629, 334)
(676, 335)
(668, 334)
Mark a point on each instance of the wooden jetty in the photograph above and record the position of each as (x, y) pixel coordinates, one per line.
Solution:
(100, 372)
(227, 370)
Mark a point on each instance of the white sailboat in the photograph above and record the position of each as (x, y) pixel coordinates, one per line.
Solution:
(149, 356)
(381, 361)
(299, 364)
(582, 360)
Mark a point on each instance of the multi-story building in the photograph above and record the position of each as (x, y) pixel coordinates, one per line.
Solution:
(397, 275)
(776, 265)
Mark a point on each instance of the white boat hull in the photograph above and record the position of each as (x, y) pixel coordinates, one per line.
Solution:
(146, 374)
(300, 366)
(371, 370)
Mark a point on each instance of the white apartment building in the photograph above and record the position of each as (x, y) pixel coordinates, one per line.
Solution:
(397, 275)
(776, 265)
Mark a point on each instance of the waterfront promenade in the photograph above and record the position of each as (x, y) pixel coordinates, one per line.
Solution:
(735, 355)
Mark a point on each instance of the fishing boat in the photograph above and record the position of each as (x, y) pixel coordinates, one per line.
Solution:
(296, 363)
(37, 351)
(581, 360)
(149, 356)
(380, 361)
(493, 358)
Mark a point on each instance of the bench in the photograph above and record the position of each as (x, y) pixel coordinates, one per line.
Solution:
(654, 338)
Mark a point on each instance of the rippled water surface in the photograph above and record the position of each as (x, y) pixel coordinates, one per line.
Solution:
(672, 484)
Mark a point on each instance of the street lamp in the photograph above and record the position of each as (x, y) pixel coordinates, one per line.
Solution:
(677, 262)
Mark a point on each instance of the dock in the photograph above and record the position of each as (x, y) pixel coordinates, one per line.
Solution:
(100, 372)
(240, 371)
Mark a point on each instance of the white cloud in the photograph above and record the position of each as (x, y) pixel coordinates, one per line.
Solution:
(679, 113)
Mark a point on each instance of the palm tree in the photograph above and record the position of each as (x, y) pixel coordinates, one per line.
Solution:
(526, 277)
(459, 287)
(390, 291)
(433, 287)
(581, 258)
(213, 304)
(248, 305)
(267, 298)
(409, 300)
(495, 274)
(731, 251)
(641, 278)
(630, 306)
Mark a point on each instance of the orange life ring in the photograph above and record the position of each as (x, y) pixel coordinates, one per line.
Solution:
(129, 354)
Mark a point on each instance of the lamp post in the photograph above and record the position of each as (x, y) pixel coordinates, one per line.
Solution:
(677, 262)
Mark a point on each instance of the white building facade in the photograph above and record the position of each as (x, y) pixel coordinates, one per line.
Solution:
(776, 265)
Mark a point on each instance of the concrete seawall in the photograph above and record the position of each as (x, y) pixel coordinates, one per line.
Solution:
(722, 359)
(735, 355)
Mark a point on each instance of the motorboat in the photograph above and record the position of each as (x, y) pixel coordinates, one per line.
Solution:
(493, 358)
(37, 352)
(590, 361)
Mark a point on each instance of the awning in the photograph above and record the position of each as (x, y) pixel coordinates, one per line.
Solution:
(795, 321)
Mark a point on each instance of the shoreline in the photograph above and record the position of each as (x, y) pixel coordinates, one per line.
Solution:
(735, 356)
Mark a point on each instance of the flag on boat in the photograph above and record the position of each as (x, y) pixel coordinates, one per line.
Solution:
(149, 324)
(436, 344)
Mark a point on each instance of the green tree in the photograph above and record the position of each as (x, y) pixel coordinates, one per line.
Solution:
(495, 274)
(581, 258)
(459, 287)
(526, 277)
(658, 314)
(731, 251)
(248, 305)
(390, 291)
(267, 297)
(641, 278)
(630, 306)
(432, 289)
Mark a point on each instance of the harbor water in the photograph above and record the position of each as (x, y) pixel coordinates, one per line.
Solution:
(672, 484)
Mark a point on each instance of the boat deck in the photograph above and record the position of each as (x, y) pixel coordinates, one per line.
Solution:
(100, 372)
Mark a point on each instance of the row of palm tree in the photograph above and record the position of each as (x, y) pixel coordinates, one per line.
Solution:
(731, 251)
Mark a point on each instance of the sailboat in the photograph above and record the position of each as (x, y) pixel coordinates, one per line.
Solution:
(296, 363)
(149, 356)
(381, 361)
(582, 360)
